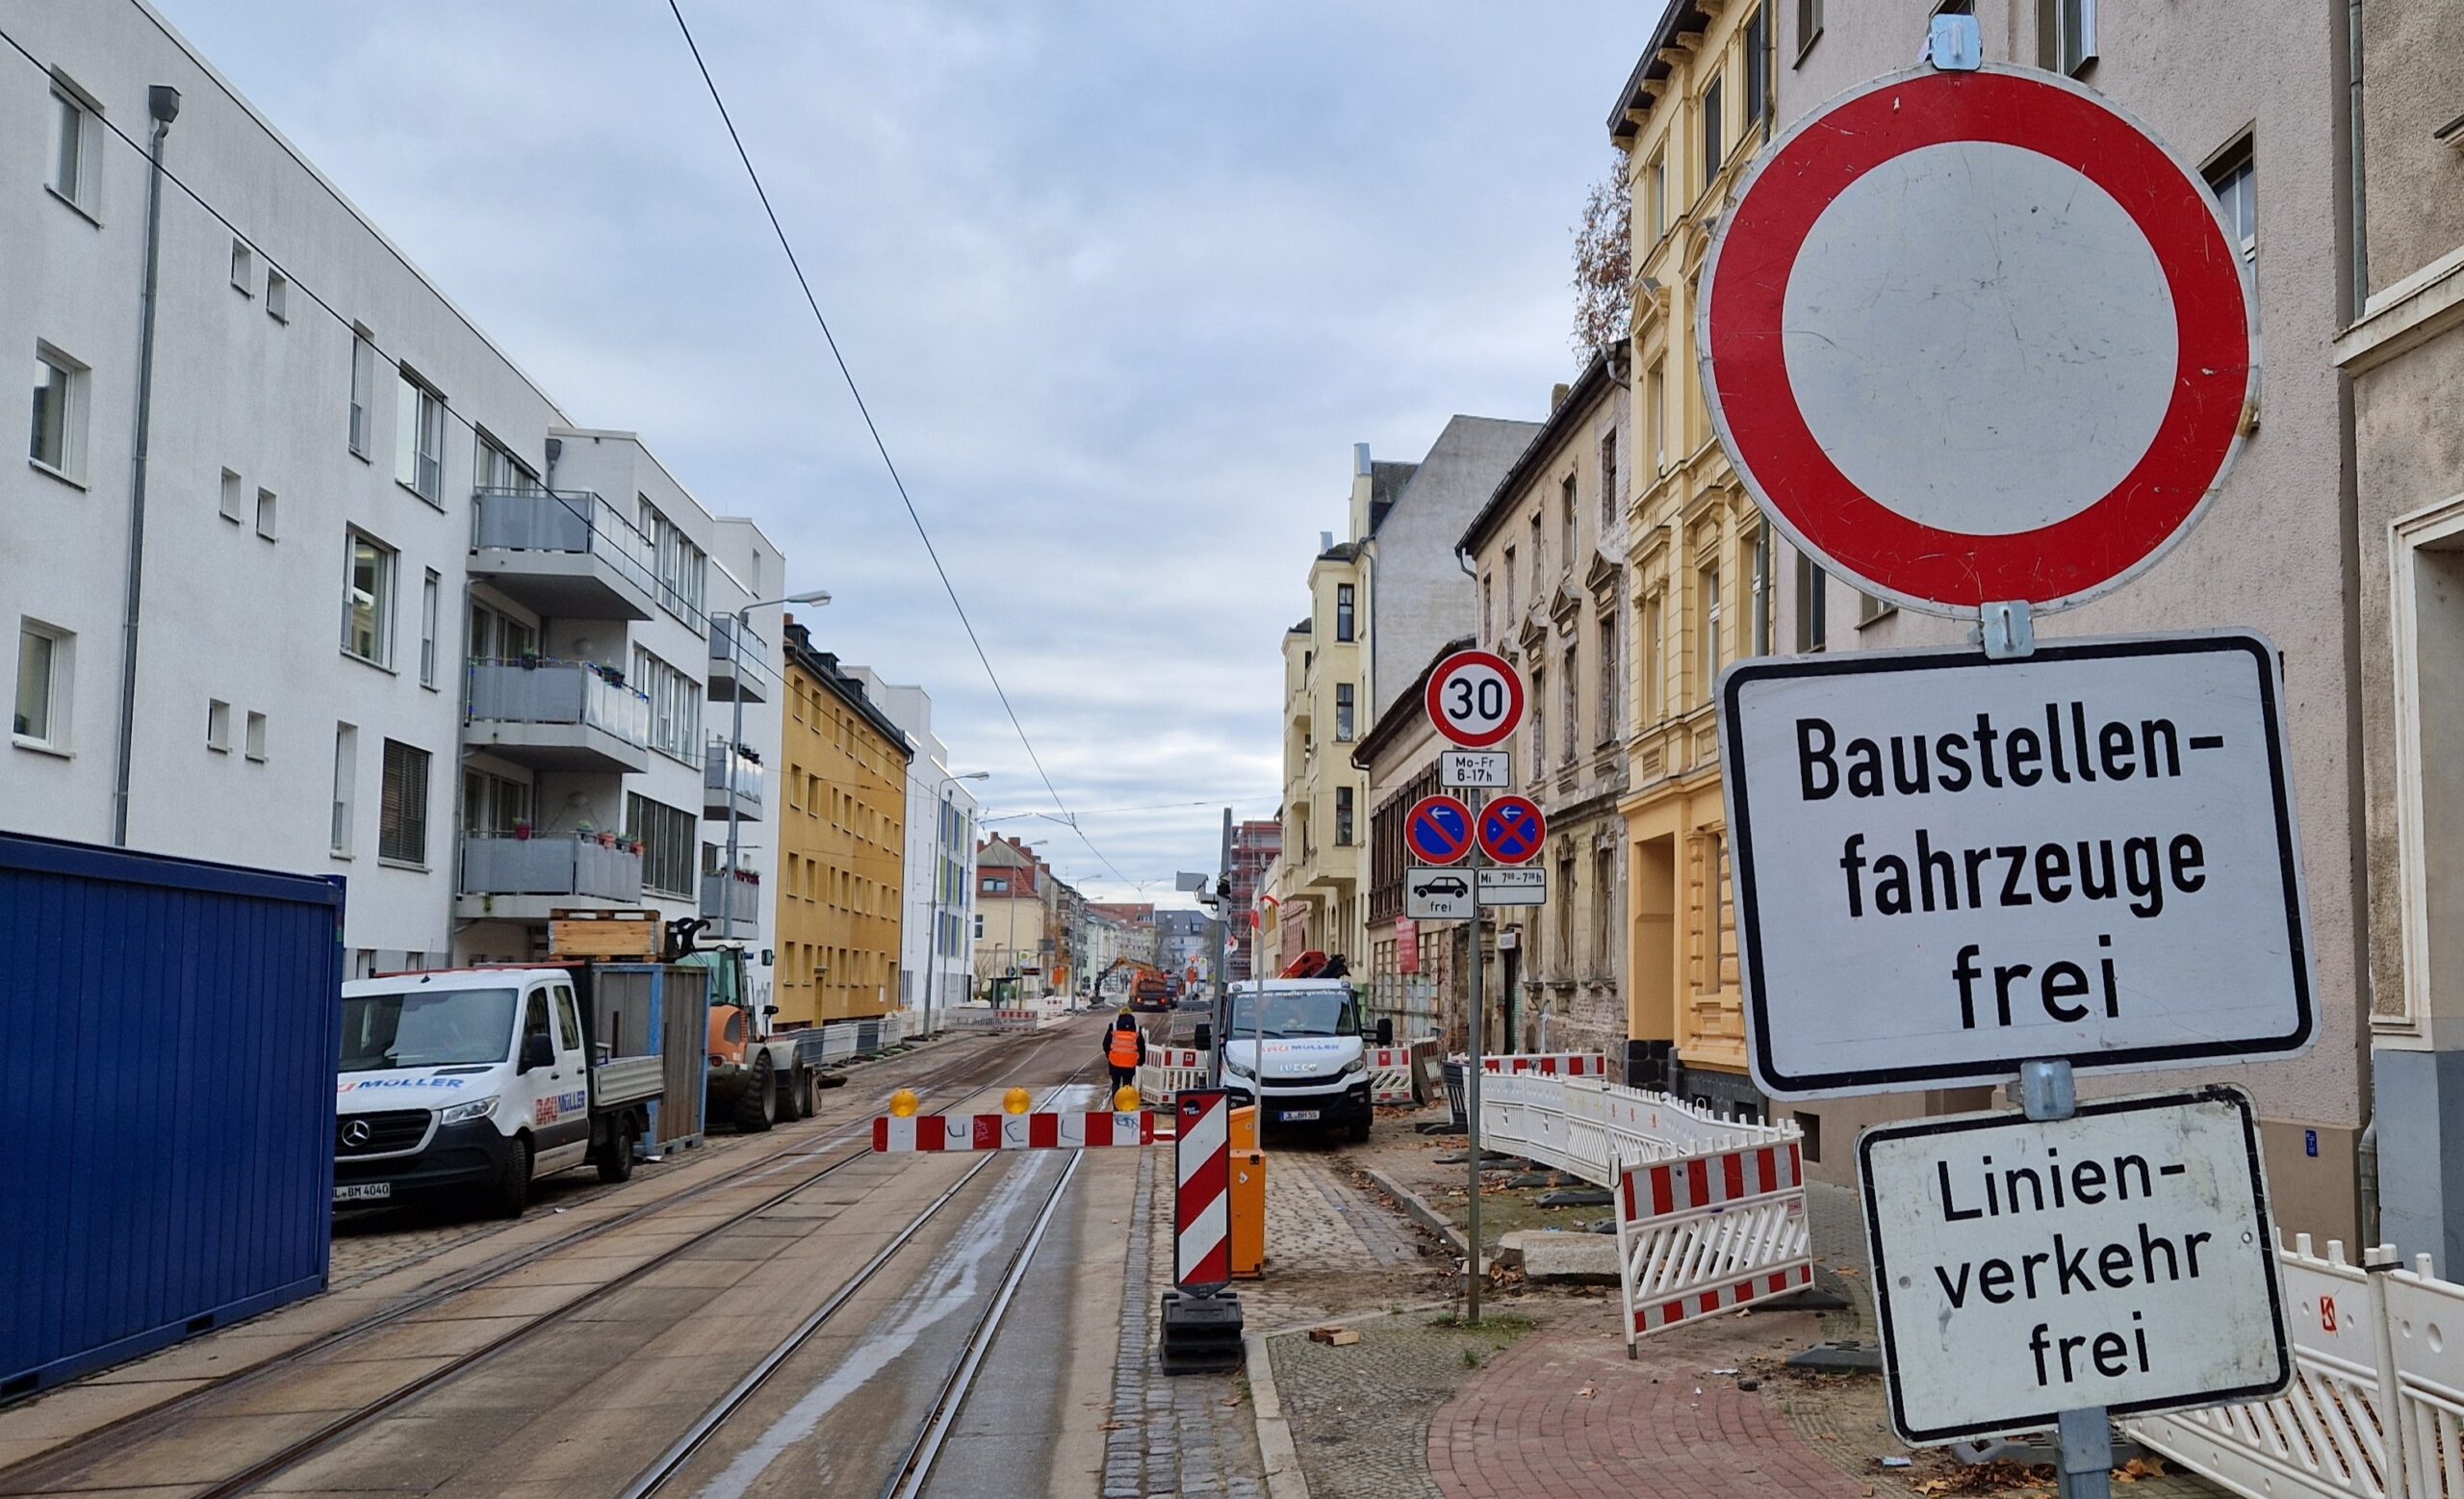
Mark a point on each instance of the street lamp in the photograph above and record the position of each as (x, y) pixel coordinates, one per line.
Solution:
(941, 827)
(735, 739)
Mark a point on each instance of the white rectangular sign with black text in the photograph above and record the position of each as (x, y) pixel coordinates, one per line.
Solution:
(1945, 865)
(1490, 770)
(1519, 885)
(1437, 895)
(2120, 1259)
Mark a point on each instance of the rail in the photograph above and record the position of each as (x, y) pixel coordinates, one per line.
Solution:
(2376, 1405)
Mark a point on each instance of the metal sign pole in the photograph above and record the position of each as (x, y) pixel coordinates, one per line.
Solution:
(2083, 1438)
(1471, 1075)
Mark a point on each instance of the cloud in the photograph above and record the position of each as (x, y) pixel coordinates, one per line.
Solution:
(1123, 284)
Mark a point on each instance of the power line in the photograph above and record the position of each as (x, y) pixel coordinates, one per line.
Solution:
(878, 446)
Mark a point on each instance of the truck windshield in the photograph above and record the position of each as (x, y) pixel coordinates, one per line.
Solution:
(1291, 1013)
(381, 1032)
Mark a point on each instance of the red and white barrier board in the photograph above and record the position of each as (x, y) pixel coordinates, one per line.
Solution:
(1184, 1057)
(1202, 1207)
(1390, 1074)
(1709, 1233)
(944, 1132)
(1550, 1064)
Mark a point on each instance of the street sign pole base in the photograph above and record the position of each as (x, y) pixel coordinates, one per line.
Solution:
(1201, 1331)
(2086, 1464)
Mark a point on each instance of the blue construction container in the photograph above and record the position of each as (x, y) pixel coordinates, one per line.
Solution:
(167, 1042)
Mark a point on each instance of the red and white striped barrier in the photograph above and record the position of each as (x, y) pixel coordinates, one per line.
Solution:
(1710, 1233)
(1202, 1209)
(1549, 1064)
(945, 1132)
(1390, 1074)
(1183, 1057)
(1167, 1072)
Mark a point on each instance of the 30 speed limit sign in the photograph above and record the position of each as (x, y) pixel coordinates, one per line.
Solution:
(1475, 698)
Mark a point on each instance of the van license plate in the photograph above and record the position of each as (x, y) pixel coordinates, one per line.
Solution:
(1295, 1116)
(365, 1192)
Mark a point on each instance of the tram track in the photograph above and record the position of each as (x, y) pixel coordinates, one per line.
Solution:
(168, 1416)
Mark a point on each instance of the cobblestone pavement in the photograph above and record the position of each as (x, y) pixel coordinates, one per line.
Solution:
(1190, 1434)
(1360, 1414)
(1334, 1246)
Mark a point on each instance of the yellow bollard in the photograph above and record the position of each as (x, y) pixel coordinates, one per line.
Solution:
(1126, 1100)
(1017, 1100)
(903, 1104)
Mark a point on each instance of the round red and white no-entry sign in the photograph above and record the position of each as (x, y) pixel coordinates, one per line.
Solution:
(1976, 338)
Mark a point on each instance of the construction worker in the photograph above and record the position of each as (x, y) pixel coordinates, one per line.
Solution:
(1122, 1049)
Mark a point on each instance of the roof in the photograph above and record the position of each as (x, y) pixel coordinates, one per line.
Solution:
(1406, 706)
(1589, 389)
(823, 668)
(1681, 17)
(1386, 482)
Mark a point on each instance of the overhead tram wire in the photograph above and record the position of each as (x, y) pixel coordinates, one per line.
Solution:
(847, 374)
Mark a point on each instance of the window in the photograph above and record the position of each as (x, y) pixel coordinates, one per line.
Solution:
(1608, 477)
(368, 600)
(1707, 591)
(265, 513)
(1655, 414)
(76, 149)
(500, 637)
(668, 843)
(676, 707)
(345, 786)
(1655, 200)
(1757, 68)
(1539, 719)
(1611, 687)
(1343, 710)
(1539, 564)
(1573, 680)
(217, 726)
(1760, 603)
(363, 387)
(1654, 657)
(1508, 570)
(1344, 612)
(57, 440)
(1715, 146)
(45, 660)
(1566, 517)
(1808, 24)
(277, 296)
(2235, 179)
(419, 439)
(1342, 816)
(2065, 34)
(492, 804)
(1488, 600)
(979, 926)
(256, 741)
(500, 469)
(430, 594)
(244, 268)
(234, 503)
(1813, 629)
(402, 816)
(680, 563)
(1871, 608)
(1565, 904)
(1604, 910)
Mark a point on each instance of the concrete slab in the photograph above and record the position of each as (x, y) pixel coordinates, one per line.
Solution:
(412, 1339)
(79, 1408)
(327, 1388)
(1546, 1254)
(208, 1357)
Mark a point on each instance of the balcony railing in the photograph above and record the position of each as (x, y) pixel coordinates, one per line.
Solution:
(730, 674)
(574, 865)
(722, 771)
(533, 691)
(734, 903)
(569, 520)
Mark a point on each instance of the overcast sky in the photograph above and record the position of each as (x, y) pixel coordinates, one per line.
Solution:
(1121, 282)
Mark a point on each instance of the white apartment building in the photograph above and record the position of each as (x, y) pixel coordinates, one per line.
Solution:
(937, 926)
(394, 617)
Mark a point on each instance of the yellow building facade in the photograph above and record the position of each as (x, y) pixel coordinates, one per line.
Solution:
(842, 845)
(1697, 557)
(1326, 796)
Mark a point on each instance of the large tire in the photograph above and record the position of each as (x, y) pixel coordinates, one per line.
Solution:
(805, 1094)
(754, 1110)
(1360, 1128)
(510, 1192)
(616, 1154)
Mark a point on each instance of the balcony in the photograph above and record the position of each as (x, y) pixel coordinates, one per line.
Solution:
(570, 553)
(738, 665)
(731, 776)
(521, 879)
(734, 906)
(557, 715)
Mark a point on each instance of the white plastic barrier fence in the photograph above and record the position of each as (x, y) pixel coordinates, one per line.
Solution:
(1595, 1130)
(1390, 1074)
(2376, 1405)
(1167, 1071)
(1549, 1064)
(1709, 1233)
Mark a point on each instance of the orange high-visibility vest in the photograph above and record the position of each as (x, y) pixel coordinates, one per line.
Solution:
(1124, 1049)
